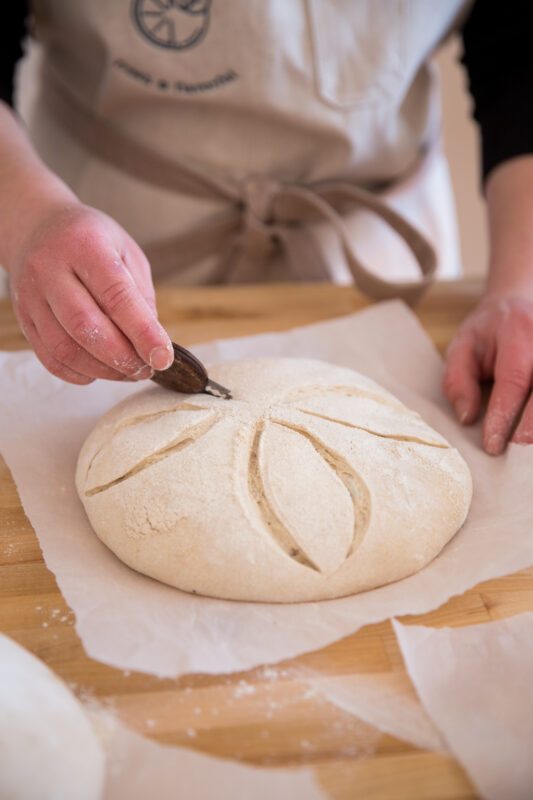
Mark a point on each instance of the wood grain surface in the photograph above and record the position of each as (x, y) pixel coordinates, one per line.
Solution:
(266, 716)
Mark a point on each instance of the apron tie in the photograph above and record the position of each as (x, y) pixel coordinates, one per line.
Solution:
(261, 216)
(247, 254)
(258, 234)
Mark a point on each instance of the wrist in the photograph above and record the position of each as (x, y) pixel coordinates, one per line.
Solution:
(516, 280)
(27, 197)
(509, 192)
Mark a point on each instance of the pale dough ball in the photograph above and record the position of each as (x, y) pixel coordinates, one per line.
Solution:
(314, 482)
(48, 749)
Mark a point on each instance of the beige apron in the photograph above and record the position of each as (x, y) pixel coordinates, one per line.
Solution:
(243, 140)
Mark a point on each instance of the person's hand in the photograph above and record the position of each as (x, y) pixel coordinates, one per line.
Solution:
(495, 341)
(83, 295)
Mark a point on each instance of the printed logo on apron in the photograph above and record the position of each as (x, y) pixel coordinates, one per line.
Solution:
(174, 24)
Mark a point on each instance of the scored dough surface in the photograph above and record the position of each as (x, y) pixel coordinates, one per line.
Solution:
(314, 482)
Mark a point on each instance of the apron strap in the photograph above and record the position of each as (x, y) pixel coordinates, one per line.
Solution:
(328, 201)
(260, 215)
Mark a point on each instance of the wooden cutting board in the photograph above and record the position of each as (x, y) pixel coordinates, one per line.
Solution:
(263, 716)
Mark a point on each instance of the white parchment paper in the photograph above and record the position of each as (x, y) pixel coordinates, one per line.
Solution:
(387, 701)
(138, 768)
(48, 751)
(133, 622)
(477, 685)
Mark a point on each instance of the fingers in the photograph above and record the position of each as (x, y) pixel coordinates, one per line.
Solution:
(461, 378)
(512, 382)
(117, 294)
(84, 296)
(139, 268)
(65, 350)
(524, 431)
(49, 362)
(92, 331)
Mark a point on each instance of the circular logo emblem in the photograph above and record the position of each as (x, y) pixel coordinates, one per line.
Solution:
(174, 24)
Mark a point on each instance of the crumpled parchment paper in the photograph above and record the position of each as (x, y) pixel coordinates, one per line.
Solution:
(476, 683)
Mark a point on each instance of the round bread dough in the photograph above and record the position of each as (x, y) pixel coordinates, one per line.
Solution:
(48, 749)
(314, 482)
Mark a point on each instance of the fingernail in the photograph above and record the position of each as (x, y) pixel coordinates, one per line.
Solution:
(461, 408)
(161, 357)
(495, 444)
(523, 437)
(142, 373)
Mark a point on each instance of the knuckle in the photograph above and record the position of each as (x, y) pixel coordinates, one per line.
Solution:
(81, 231)
(149, 299)
(447, 383)
(53, 366)
(450, 372)
(451, 377)
(145, 329)
(81, 327)
(24, 321)
(519, 326)
(80, 243)
(117, 296)
(65, 350)
(516, 377)
(34, 270)
(27, 331)
(457, 342)
(524, 316)
(459, 347)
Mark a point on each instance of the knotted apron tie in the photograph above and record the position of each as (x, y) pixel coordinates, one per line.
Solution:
(262, 216)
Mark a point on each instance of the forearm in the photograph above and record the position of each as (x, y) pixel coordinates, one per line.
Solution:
(27, 187)
(509, 194)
